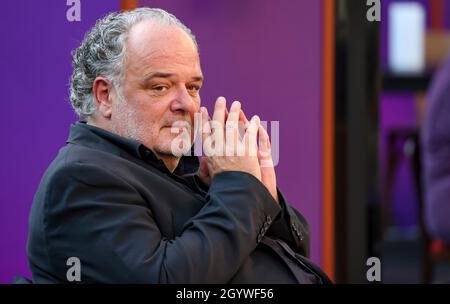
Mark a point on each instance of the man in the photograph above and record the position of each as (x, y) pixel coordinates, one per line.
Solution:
(119, 200)
(436, 154)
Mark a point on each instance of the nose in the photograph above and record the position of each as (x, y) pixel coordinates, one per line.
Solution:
(184, 102)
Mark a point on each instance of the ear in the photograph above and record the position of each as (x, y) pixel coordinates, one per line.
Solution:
(103, 95)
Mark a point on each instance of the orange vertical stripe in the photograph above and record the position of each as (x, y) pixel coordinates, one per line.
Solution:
(437, 14)
(126, 5)
(328, 70)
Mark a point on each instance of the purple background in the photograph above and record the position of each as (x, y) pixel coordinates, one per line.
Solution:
(36, 65)
(267, 54)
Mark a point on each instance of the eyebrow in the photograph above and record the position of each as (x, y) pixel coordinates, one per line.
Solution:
(167, 75)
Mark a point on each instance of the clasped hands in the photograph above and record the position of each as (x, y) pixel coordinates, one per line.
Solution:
(233, 143)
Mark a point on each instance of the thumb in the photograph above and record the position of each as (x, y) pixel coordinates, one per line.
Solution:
(203, 171)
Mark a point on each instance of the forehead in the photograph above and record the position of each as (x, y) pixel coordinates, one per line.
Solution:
(157, 47)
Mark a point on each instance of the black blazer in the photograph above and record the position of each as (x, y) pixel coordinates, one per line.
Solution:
(111, 203)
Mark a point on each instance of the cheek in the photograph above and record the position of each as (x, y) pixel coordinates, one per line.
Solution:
(149, 113)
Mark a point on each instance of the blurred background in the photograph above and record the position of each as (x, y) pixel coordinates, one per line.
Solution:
(413, 142)
(359, 88)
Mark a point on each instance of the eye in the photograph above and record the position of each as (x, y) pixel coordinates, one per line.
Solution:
(160, 88)
(194, 88)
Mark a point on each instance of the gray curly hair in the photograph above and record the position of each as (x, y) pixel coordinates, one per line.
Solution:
(102, 53)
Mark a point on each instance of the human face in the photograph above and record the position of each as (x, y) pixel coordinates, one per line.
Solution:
(161, 82)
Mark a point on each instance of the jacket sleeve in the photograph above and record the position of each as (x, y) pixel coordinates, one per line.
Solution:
(291, 227)
(96, 216)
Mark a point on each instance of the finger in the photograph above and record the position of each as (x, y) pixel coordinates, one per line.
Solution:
(264, 152)
(209, 128)
(250, 137)
(235, 111)
(233, 117)
(206, 128)
(232, 128)
(220, 110)
(243, 124)
(242, 117)
(203, 171)
(263, 139)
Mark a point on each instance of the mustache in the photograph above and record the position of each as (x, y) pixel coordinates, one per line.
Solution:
(178, 122)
